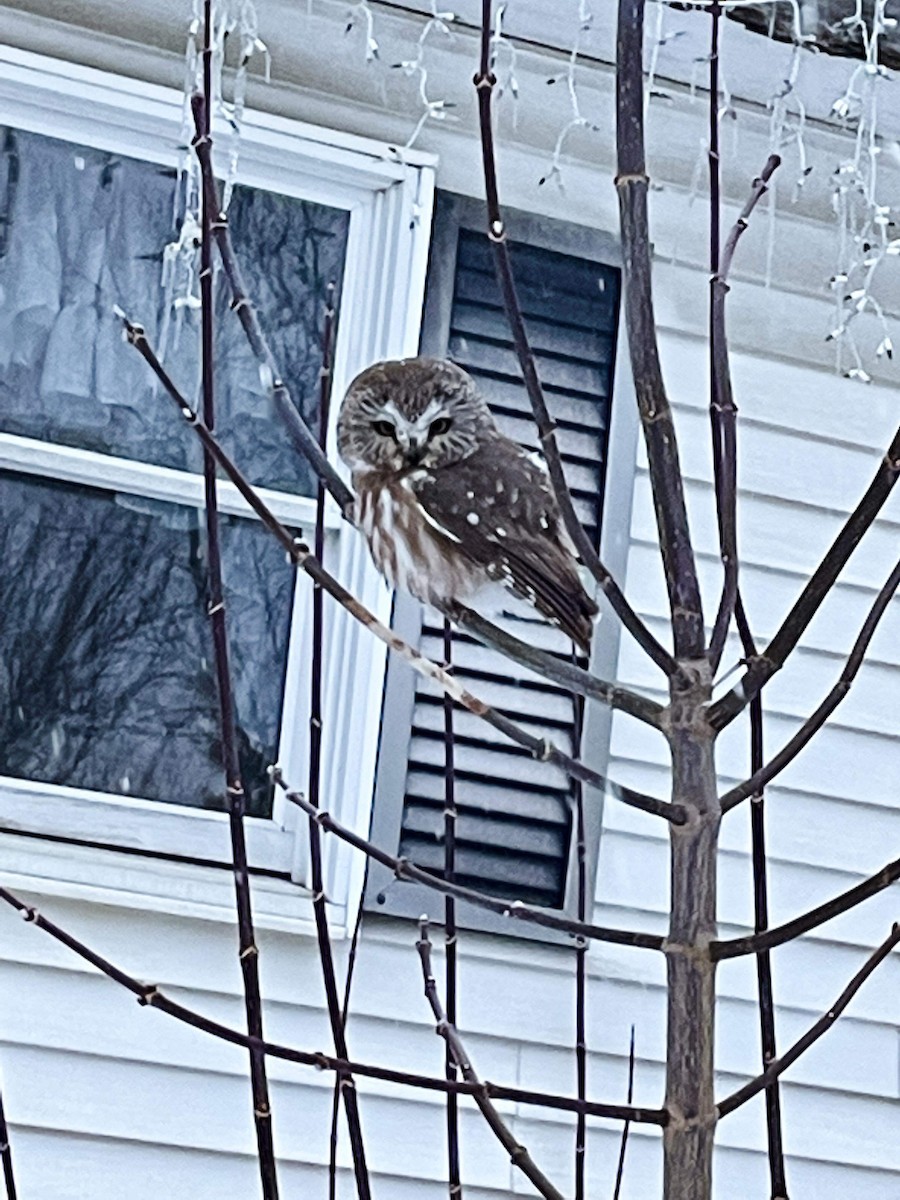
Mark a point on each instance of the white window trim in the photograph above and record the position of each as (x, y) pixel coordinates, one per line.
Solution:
(389, 197)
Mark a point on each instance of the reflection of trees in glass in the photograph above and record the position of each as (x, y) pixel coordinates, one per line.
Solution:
(85, 230)
(106, 676)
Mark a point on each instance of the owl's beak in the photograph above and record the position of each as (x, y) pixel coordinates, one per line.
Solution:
(415, 452)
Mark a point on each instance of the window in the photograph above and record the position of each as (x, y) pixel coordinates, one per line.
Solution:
(108, 708)
(515, 823)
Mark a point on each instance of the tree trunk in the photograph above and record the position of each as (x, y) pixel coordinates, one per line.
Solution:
(690, 1100)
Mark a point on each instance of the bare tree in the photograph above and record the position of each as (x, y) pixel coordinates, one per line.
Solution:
(690, 721)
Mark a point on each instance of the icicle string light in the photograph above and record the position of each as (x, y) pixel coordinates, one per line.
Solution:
(503, 50)
(234, 22)
(362, 12)
(864, 224)
(577, 119)
(437, 110)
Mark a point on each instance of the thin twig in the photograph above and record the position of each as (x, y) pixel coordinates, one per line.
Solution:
(765, 988)
(301, 436)
(9, 1178)
(777, 936)
(777, 1068)
(623, 1145)
(581, 950)
(813, 724)
(540, 748)
(402, 868)
(653, 404)
(723, 411)
(234, 787)
(720, 397)
(450, 931)
(518, 1154)
(557, 670)
(326, 957)
(150, 995)
(762, 668)
(345, 1013)
(485, 82)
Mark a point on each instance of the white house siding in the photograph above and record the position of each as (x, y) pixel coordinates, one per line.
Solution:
(107, 1099)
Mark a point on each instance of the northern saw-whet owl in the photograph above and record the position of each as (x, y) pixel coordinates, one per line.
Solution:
(449, 505)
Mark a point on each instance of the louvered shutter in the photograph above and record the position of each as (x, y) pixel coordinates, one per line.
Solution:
(514, 828)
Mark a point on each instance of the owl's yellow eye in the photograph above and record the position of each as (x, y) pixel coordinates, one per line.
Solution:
(385, 429)
(441, 425)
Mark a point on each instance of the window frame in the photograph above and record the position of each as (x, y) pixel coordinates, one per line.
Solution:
(454, 213)
(389, 198)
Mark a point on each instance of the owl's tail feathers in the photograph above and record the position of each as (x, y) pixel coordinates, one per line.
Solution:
(553, 586)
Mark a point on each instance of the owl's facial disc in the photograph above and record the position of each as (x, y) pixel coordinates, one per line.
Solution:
(417, 443)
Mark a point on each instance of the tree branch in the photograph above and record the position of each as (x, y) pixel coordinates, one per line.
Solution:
(301, 436)
(656, 415)
(347, 1085)
(485, 82)
(769, 938)
(623, 1145)
(150, 995)
(768, 1039)
(557, 670)
(813, 724)
(780, 1065)
(810, 600)
(723, 412)
(540, 748)
(9, 1178)
(234, 788)
(518, 1154)
(516, 910)
(454, 1177)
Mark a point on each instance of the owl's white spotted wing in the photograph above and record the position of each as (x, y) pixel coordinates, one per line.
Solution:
(500, 508)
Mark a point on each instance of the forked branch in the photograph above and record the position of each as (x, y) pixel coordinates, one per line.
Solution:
(515, 910)
(566, 674)
(485, 82)
(150, 995)
(761, 670)
(813, 724)
(656, 415)
(780, 1065)
(299, 553)
(518, 1154)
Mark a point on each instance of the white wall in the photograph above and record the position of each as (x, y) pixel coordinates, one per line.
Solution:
(107, 1099)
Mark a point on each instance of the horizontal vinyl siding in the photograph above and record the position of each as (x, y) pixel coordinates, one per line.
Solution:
(129, 1098)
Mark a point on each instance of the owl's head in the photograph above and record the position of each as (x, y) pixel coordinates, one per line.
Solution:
(410, 413)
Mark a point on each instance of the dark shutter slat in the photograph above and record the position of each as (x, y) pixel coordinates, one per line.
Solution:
(476, 796)
(546, 337)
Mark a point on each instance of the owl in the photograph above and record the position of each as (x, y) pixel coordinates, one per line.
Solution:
(450, 507)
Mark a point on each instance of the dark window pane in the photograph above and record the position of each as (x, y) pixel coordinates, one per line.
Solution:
(106, 668)
(82, 230)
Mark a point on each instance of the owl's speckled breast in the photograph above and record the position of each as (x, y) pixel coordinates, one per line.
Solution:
(408, 547)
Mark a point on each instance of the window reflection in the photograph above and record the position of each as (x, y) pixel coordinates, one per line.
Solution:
(106, 667)
(82, 230)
